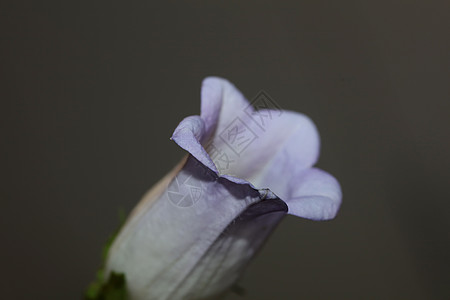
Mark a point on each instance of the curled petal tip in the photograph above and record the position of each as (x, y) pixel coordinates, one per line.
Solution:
(314, 194)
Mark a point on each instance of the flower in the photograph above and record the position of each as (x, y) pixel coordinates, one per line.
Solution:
(194, 232)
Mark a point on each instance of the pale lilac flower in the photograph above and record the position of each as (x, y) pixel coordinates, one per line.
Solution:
(194, 232)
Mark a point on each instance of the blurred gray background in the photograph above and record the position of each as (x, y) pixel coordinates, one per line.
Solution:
(91, 92)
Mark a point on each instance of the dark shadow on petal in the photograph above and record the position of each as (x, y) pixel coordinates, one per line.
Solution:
(263, 208)
(239, 243)
(239, 191)
(195, 168)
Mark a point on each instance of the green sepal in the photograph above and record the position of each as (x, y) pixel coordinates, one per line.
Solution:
(115, 287)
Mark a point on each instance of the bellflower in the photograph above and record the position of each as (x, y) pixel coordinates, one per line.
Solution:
(194, 232)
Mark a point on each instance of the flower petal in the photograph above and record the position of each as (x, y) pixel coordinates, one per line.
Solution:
(243, 142)
(289, 142)
(219, 99)
(195, 238)
(313, 194)
(188, 135)
(230, 140)
(226, 258)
